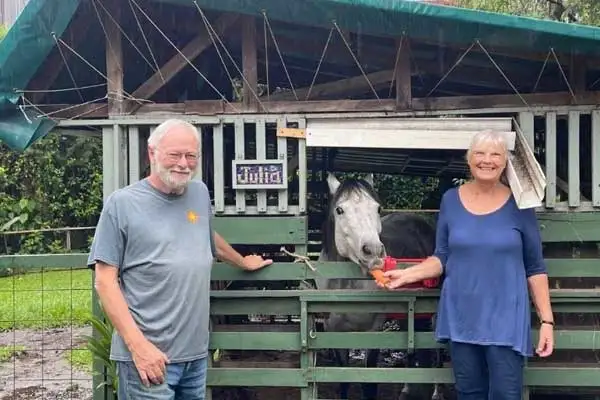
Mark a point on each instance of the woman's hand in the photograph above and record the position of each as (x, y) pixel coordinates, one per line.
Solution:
(546, 341)
(398, 278)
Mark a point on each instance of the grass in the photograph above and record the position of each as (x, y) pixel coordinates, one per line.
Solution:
(49, 299)
(80, 358)
(6, 352)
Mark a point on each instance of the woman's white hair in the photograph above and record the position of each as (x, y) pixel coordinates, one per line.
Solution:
(488, 137)
(164, 128)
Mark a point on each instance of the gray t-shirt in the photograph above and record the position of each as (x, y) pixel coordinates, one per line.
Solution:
(162, 245)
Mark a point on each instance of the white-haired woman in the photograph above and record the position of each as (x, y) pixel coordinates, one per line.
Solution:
(489, 252)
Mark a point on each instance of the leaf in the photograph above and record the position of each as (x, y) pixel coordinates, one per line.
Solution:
(10, 223)
(23, 218)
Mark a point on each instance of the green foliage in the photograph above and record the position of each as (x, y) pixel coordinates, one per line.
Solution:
(57, 182)
(583, 11)
(99, 346)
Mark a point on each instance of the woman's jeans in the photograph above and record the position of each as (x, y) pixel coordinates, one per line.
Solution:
(486, 372)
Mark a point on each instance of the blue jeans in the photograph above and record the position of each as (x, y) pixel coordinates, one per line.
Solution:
(183, 381)
(486, 372)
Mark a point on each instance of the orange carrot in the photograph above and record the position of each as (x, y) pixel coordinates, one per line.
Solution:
(377, 274)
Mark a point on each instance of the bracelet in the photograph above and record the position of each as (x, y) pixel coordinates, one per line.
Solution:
(546, 322)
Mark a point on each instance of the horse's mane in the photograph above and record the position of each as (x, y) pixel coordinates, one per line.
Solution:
(347, 187)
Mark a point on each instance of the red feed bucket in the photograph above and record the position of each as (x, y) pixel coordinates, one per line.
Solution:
(390, 263)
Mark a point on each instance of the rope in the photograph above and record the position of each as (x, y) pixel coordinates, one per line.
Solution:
(64, 59)
(541, 71)
(396, 64)
(137, 21)
(266, 57)
(279, 53)
(299, 258)
(356, 60)
(320, 62)
(59, 90)
(451, 69)
(123, 32)
(503, 74)
(106, 35)
(185, 58)
(563, 74)
(206, 24)
(209, 28)
(127, 95)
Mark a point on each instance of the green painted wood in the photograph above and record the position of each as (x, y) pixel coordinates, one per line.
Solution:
(289, 341)
(265, 306)
(569, 227)
(256, 377)
(534, 376)
(285, 271)
(557, 268)
(262, 230)
(284, 377)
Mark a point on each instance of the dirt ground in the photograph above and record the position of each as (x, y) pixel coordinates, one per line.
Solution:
(41, 370)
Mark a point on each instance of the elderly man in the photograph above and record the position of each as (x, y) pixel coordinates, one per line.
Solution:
(153, 252)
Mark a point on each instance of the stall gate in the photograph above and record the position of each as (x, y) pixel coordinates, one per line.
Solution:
(254, 203)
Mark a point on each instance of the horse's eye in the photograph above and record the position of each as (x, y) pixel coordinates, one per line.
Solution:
(339, 210)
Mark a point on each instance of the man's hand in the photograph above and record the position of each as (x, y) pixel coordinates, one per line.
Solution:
(150, 363)
(254, 262)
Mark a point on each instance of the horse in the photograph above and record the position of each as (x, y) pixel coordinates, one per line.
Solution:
(355, 231)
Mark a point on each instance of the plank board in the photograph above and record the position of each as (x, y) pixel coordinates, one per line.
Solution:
(390, 138)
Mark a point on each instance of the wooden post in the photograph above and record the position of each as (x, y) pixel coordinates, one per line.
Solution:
(250, 63)
(114, 60)
(403, 77)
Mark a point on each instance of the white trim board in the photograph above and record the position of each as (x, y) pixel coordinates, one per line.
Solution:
(394, 138)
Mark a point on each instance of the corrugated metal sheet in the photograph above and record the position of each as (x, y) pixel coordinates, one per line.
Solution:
(10, 10)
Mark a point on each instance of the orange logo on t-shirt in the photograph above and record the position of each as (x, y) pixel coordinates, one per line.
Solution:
(192, 217)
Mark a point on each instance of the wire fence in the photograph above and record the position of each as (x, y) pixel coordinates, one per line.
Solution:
(44, 321)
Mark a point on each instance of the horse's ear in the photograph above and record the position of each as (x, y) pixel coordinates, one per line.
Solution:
(370, 179)
(332, 182)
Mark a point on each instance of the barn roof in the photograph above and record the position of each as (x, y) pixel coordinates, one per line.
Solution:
(33, 36)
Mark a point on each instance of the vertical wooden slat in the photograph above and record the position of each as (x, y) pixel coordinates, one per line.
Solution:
(240, 154)
(134, 154)
(261, 153)
(596, 158)
(219, 174)
(302, 170)
(574, 184)
(550, 159)
(199, 170)
(526, 123)
(282, 155)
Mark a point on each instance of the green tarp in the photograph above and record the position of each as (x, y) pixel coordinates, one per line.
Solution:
(22, 51)
(30, 41)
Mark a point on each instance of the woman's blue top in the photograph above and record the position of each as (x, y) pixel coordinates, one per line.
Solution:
(486, 261)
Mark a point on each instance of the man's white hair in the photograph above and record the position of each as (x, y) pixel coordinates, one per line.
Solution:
(165, 127)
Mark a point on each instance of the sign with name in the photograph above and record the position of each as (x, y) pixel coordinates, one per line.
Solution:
(259, 174)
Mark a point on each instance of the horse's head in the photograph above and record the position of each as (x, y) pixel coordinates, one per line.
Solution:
(354, 223)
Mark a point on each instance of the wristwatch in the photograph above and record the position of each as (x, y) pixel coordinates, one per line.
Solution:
(546, 322)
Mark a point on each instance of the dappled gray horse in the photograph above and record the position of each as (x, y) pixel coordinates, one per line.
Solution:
(354, 231)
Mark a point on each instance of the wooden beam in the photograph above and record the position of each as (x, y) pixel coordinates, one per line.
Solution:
(249, 63)
(114, 60)
(192, 50)
(215, 107)
(339, 87)
(403, 76)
